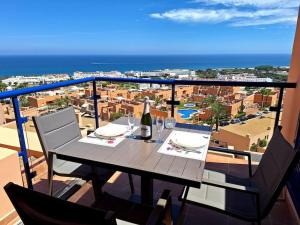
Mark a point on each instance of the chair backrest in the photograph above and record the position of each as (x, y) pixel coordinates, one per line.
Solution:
(35, 208)
(274, 169)
(57, 129)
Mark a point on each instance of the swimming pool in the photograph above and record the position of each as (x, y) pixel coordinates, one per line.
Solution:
(186, 113)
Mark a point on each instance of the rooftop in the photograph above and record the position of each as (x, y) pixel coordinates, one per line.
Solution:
(253, 126)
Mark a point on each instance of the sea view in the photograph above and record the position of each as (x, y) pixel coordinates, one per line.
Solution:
(162, 112)
(37, 65)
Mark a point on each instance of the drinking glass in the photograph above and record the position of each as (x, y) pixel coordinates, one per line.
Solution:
(131, 121)
(159, 128)
(170, 122)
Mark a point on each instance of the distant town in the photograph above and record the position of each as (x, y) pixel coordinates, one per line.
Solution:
(239, 116)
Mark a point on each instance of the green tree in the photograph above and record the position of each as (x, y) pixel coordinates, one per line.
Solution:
(2, 86)
(61, 102)
(24, 101)
(217, 109)
(265, 68)
(210, 99)
(262, 143)
(157, 101)
(104, 84)
(242, 108)
(264, 95)
(115, 116)
(22, 85)
(219, 112)
(253, 147)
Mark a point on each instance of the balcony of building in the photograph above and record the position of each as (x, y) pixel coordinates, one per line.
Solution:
(22, 160)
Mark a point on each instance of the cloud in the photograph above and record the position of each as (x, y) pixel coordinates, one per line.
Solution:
(255, 3)
(235, 12)
(233, 16)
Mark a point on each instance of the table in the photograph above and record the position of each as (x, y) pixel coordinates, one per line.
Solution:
(141, 158)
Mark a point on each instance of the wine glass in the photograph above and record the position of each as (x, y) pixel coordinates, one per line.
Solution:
(170, 122)
(159, 128)
(131, 121)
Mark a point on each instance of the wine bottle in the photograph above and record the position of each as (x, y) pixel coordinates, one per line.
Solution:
(146, 121)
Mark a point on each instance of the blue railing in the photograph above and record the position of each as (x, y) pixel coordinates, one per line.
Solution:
(14, 94)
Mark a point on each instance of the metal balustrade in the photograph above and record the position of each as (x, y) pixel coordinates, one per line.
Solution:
(14, 94)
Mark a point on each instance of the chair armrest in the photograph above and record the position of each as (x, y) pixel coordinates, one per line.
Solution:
(235, 152)
(234, 187)
(226, 150)
(162, 211)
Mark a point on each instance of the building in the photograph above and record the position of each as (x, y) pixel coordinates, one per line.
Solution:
(2, 117)
(78, 74)
(266, 100)
(243, 77)
(242, 136)
(44, 79)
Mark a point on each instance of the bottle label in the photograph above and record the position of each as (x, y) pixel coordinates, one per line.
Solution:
(145, 131)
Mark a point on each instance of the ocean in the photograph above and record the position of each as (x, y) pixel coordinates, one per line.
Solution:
(38, 65)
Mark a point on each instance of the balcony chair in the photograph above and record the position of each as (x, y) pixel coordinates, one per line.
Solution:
(35, 208)
(250, 199)
(59, 129)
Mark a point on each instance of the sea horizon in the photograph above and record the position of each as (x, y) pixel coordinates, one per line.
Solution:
(14, 65)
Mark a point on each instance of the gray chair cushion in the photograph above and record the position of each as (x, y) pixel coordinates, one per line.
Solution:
(238, 204)
(72, 169)
(267, 180)
(233, 202)
(225, 178)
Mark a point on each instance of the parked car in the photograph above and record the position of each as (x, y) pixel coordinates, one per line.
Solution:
(243, 118)
(233, 121)
(251, 116)
(258, 114)
(224, 123)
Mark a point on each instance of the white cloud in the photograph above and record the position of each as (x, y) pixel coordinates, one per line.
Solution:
(259, 22)
(235, 16)
(255, 3)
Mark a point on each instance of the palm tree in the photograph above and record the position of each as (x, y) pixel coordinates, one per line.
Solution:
(264, 93)
(210, 100)
(157, 101)
(217, 109)
(218, 112)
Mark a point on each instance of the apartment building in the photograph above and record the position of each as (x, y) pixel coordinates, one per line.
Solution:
(182, 92)
(266, 100)
(216, 90)
(242, 136)
(161, 94)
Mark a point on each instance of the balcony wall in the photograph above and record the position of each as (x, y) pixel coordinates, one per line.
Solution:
(10, 172)
(292, 98)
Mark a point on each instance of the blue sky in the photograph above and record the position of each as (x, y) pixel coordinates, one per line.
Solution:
(147, 27)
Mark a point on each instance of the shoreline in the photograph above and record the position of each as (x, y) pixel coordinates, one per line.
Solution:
(2, 77)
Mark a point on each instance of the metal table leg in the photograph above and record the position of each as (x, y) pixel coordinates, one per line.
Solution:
(146, 190)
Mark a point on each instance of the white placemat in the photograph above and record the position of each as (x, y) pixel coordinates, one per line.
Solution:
(92, 139)
(169, 148)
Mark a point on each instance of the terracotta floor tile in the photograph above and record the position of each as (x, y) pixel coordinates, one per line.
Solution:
(119, 186)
